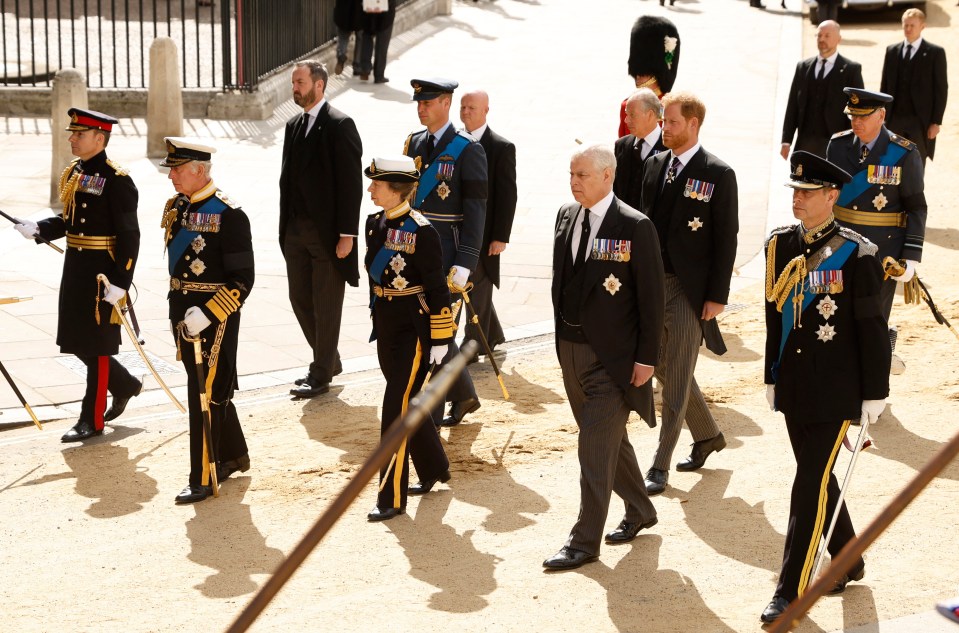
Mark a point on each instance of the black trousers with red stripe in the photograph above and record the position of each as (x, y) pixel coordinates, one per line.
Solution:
(104, 374)
(402, 345)
(813, 502)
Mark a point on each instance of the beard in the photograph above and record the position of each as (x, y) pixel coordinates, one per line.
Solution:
(309, 97)
(676, 139)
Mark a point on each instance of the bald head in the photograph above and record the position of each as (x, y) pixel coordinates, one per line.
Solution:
(828, 38)
(474, 106)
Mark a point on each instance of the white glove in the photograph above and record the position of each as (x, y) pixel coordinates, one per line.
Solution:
(872, 409)
(27, 229)
(438, 353)
(195, 321)
(910, 271)
(460, 276)
(771, 396)
(114, 294)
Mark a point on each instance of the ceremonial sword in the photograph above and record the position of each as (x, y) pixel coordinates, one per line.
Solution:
(894, 268)
(464, 290)
(197, 341)
(38, 236)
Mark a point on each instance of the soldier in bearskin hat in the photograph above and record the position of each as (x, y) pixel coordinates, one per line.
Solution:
(653, 58)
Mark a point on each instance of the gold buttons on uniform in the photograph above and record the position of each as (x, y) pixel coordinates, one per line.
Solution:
(82, 220)
(799, 351)
(855, 207)
(84, 205)
(187, 258)
(184, 275)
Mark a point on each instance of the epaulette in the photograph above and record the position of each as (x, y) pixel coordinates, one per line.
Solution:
(419, 218)
(782, 230)
(406, 145)
(841, 134)
(865, 246)
(65, 174)
(467, 136)
(903, 141)
(226, 200)
(168, 218)
(118, 168)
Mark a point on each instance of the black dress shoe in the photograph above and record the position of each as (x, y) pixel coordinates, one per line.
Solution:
(192, 494)
(774, 609)
(459, 410)
(569, 558)
(385, 514)
(382, 80)
(227, 468)
(840, 586)
(422, 487)
(120, 404)
(310, 388)
(627, 531)
(756, 4)
(656, 481)
(701, 450)
(300, 381)
(81, 430)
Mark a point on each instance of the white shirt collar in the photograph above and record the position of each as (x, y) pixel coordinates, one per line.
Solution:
(651, 139)
(600, 208)
(440, 132)
(831, 59)
(915, 45)
(478, 132)
(315, 110)
(686, 156)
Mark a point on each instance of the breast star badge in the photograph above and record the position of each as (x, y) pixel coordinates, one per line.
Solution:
(198, 244)
(399, 282)
(695, 224)
(197, 267)
(827, 307)
(443, 190)
(880, 201)
(825, 333)
(397, 263)
(612, 284)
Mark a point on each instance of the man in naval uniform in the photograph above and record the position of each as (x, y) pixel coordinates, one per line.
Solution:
(210, 248)
(99, 220)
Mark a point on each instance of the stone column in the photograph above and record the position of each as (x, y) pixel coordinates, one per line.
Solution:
(164, 97)
(444, 7)
(69, 91)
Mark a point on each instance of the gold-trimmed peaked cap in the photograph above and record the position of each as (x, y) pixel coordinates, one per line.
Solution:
(81, 120)
(860, 102)
(181, 150)
(808, 171)
(393, 169)
(426, 89)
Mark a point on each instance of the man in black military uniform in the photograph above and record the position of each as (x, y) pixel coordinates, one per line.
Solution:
(452, 196)
(99, 220)
(827, 360)
(885, 201)
(210, 248)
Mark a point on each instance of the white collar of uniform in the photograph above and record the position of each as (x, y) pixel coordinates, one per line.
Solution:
(208, 190)
(439, 133)
(686, 156)
(915, 45)
(600, 208)
(478, 132)
(315, 110)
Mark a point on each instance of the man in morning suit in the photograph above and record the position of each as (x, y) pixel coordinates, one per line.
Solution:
(914, 73)
(814, 110)
(452, 196)
(824, 366)
(608, 307)
(500, 209)
(645, 139)
(691, 196)
(320, 193)
(885, 201)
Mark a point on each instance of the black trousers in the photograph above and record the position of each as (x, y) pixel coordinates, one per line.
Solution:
(482, 299)
(911, 127)
(813, 503)
(316, 294)
(402, 345)
(220, 383)
(104, 373)
(380, 41)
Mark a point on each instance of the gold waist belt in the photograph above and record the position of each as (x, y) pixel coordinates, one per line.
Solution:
(92, 242)
(869, 218)
(442, 217)
(380, 291)
(195, 286)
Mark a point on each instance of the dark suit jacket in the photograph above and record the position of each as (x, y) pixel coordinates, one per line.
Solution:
(929, 85)
(330, 181)
(845, 72)
(626, 326)
(501, 200)
(628, 184)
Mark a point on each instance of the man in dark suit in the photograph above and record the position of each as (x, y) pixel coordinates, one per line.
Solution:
(914, 73)
(645, 139)
(608, 307)
(692, 198)
(452, 195)
(500, 209)
(814, 109)
(320, 193)
(825, 365)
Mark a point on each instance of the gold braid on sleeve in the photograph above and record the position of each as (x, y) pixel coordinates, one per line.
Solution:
(790, 281)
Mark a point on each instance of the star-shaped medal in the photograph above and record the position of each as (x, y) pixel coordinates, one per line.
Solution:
(198, 244)
(827, 307)
(397, 263)
(443, 190)
(695, 224)
(197, 267)
(825, 333)
(612, 284)
(399, 282)
(880, 201)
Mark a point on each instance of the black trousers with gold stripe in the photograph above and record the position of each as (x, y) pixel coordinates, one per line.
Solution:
(221, 379)
(402, 345)
(813, 502)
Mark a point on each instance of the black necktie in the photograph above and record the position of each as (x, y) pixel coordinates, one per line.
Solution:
(863, 153)
(673, 170)
(583, 242)
(305, 123)
(429, 147)
(906, 56)
(822, 70)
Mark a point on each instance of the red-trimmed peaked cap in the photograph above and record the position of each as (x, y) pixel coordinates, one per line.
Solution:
(81, 120)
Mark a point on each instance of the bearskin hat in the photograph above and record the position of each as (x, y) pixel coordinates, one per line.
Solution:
(651, 53)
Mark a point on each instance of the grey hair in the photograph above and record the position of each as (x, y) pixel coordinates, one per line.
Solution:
(648, 101)
(196, 165)
(600, 156)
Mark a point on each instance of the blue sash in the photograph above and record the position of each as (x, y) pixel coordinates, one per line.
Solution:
(428, 180)
(185, 237)
(860, 182)
(833, 262)
(383, 256)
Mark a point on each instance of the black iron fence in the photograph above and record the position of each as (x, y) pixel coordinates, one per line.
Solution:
(230, 44)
